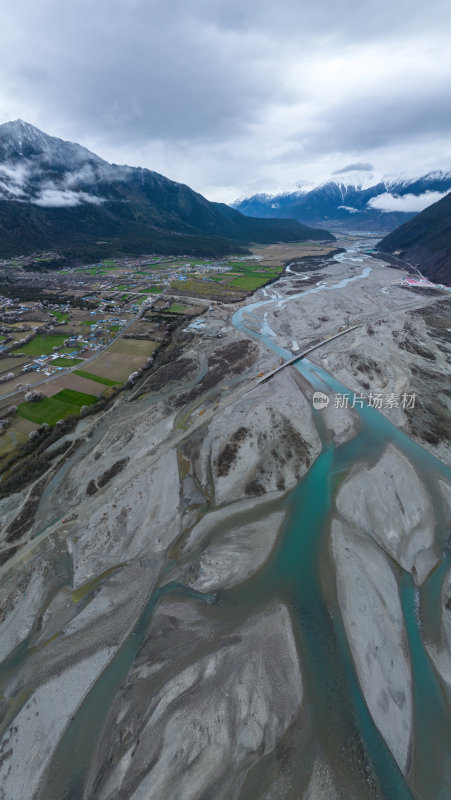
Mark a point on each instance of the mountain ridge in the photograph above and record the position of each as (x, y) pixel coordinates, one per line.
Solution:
(348, 204)
(425, 241)
(58, 195)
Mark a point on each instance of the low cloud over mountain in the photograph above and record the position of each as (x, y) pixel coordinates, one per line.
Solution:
(355, 203)
(407, 202)
(58, 195)
(52, 197)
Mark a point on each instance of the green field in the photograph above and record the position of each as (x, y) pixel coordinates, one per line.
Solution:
(90, 375)
(253, 275)
(51, 409)
(250, 282)
(176, 308)
(42, 344)
(246, 265)
(60, 316)
(254, 268)
(65, 362)
(47, 410)
(202, 288)
(75, 398)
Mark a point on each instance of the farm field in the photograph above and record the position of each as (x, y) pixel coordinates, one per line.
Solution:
(16, 434)
(195, 287)
(240, 276)
(251, 282)
(47, 410)
(65, 362)
(11, 364)
(79, 383)
(90, 376)
(140, 327)
(51, 409)
(13, 325)
(177, 308)
(20, 377)
(42, 344)
(122, 358)
(60, 316)
(133, 347)
(278, 254)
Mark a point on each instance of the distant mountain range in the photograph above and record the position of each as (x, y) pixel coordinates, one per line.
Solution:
(350, 205)
(58, 196)
(425, 241)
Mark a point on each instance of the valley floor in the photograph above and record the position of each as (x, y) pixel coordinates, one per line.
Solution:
(226, 592)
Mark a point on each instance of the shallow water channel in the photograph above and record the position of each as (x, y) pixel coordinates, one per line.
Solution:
(343, 725)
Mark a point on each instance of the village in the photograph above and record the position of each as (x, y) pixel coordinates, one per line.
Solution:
(71, 338)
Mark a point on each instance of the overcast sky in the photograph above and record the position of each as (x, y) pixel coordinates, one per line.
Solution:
(233, 96)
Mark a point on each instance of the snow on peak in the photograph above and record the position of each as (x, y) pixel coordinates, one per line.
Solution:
(20, 140)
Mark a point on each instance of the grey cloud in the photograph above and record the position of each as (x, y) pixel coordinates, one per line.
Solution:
(175, 85)
(323, 21)
(357, 167)
(381, 119)
(140, 72)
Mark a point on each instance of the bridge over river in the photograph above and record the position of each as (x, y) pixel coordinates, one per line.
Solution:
(305, 352)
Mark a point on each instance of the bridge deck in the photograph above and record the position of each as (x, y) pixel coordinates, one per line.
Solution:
(305, 352)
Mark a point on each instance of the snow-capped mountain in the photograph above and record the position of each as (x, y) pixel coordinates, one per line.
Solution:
(19, 140)
(354, 204)
(57, 195)
(50, 172)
